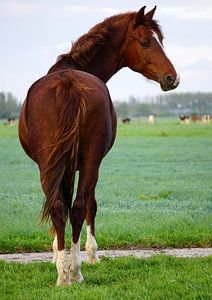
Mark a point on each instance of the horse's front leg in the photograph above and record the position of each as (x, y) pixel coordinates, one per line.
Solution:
(58, 216)
(91, 245)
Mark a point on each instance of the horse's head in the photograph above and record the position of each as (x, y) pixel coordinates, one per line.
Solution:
(143, 51)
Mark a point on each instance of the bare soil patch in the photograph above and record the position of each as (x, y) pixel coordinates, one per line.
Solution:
(47, 256)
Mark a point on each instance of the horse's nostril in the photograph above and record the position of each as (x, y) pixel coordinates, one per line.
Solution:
(169, 79)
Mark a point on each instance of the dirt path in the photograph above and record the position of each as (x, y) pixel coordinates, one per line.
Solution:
(47, 256)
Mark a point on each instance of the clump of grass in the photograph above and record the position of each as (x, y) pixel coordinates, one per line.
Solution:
(163, 133)
(160, 196)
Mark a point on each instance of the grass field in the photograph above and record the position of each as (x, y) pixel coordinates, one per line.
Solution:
(154, 190)
(126, 278)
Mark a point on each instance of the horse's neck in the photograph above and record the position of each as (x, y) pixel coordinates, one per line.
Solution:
(104, 64)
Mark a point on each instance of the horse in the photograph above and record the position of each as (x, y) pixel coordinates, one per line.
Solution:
(68, 123)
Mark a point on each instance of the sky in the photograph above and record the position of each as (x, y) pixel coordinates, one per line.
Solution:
(34, 33)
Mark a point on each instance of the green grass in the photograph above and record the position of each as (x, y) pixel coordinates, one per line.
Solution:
(159, 277)
(148, 160)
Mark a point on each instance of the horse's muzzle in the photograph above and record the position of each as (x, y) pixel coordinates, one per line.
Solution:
(170, 82)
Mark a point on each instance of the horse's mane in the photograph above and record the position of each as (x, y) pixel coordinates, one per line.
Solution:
(89, 44)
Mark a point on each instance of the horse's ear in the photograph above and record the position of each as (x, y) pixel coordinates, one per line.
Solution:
(150, 14)
(140, 16)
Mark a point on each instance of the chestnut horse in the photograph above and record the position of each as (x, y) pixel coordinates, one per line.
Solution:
(68, 123)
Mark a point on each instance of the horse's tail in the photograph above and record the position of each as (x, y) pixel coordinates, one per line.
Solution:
(70, 107)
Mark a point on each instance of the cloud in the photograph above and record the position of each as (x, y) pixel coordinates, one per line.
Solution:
(188, 13)
(187, 55)
(77, 8)
(20, 8)
(195, 81)
(200, 65)
(111, 11)
(82, 9)
(64, 46)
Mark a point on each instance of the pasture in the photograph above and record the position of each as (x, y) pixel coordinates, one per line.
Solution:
(154, 190)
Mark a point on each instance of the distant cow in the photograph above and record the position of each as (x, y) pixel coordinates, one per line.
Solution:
(126, 121)
(196, 118)
(151, 119)
(184, 119)
(10, 122)
(207, 119)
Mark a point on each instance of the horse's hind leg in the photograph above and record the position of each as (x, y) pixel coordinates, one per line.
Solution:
(91, 245)
(88, 176)
(58, 217)
(77, 219)
(55, 250)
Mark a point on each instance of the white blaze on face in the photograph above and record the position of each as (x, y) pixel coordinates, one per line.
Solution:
(155, 35)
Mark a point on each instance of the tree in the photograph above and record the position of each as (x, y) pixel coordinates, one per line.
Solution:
(166, 105)
(2, 105)
(9, 106)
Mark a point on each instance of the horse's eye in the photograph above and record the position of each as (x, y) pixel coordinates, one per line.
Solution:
(144, 44)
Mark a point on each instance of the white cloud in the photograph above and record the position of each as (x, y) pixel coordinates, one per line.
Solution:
(187, 55)
(196, 81)
(108, 11)
(111, 11)
(188, 13)
(200, 65)
(77, 8)
(64, 46)
(20, 8)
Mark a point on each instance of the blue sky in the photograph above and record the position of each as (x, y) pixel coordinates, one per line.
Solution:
(34, 33)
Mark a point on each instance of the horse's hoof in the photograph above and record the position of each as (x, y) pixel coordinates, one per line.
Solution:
(63, 281)
(76, 278)
(93, 260)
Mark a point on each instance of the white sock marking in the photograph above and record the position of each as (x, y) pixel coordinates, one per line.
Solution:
(91, 247)
(76, 274)
(55, 249)
(63, 268)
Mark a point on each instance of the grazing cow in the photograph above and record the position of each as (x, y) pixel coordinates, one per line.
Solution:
(10, 122)
(196, 118)
(126, 121)
(151, 119)
(207, 119)
(184, 119)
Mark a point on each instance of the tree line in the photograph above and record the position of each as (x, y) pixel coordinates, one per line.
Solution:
(9, 106)
(170, 104)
